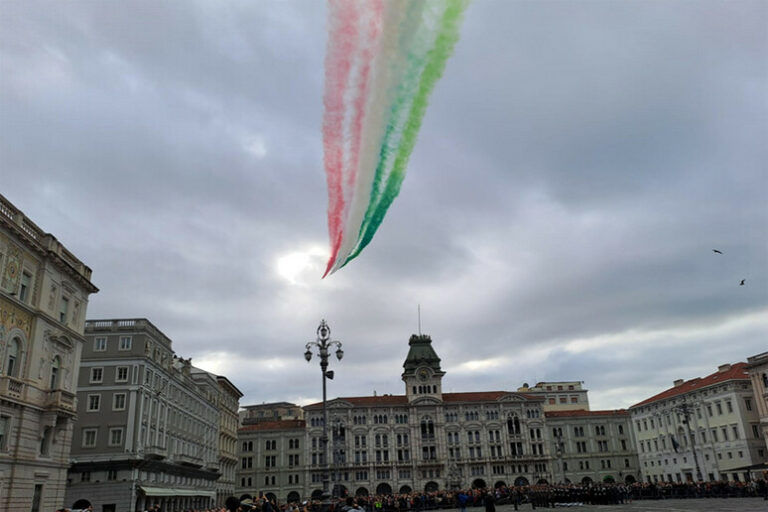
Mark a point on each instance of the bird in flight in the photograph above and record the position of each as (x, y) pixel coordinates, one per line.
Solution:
(718, 252)
(742, 282)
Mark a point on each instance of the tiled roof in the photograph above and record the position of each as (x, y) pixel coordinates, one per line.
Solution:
(483, 396)
(582, 412)
(274, 425)
(395, 400)
(738, 371)
(366, 400)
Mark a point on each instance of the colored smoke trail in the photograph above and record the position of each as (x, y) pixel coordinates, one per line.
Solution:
(338, 63)
(404, 46)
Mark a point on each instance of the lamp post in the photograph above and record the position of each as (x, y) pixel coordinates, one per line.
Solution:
(323, 345)
(560, 451)
(687, 410)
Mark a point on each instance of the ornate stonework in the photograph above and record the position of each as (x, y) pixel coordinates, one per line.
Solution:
(14, 317)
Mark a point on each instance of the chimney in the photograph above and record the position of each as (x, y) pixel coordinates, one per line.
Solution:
(723, 367)
(678, 382)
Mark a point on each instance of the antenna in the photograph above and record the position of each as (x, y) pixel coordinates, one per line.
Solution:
(419, 314)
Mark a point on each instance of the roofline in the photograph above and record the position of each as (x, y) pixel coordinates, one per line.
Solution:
(228, 383)
(683, 390)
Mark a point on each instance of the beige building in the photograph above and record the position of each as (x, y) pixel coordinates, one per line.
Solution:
(44, 293)
(227, 399)
(149, 425)
(705, 427)
(592, 446)
(559, 396)
(273, 411)
(272, 459)
(757, 366)
(426, 439)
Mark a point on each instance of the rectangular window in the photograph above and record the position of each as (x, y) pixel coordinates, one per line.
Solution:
(37, 497)
(63, 310)
(125, 343)
(94, 403)
(5, 422)
(99, 344)
(112, 475)
(121, 374)
(89, 438)
(115, 436)
(97, 375)
(118, 402)
(729, 406)
(748, 404)
(26, 282)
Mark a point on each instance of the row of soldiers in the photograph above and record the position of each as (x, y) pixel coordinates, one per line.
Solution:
(545, 496)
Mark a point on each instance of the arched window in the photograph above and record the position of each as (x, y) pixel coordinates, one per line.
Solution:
(14, 353)
(45, 442)
(55, 364)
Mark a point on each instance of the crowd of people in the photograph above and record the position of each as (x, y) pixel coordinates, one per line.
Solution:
(533, 496)
(530, 497)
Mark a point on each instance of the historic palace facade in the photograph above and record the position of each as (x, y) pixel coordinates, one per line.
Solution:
(44, 293)
(426, 439)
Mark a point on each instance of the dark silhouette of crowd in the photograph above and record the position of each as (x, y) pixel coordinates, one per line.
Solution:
(532, 496)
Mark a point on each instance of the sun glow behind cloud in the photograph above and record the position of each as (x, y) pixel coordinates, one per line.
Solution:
(298, 267)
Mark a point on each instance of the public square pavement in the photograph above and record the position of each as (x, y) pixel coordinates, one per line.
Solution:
(698, 505)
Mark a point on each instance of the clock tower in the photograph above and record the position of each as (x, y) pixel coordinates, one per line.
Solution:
(422, 374)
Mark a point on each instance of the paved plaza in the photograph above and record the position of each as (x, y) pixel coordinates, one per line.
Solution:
(698, 505)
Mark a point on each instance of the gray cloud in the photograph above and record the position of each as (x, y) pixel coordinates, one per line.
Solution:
(576, 166)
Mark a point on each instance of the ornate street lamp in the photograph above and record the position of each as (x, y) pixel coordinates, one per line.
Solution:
(324, 344)
(686, 410)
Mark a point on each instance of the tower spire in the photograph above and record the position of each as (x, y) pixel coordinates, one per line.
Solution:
(419, 315)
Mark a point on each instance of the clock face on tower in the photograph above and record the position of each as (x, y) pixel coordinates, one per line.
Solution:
(422, 374)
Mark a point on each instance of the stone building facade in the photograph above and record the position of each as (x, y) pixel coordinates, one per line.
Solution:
(149, 429)
(706, 427)
(227, 399)
(272, 459)
(424, 439)
(757, 366)
(559, 396)
(592, 446)
(272, 411)
(44, 293)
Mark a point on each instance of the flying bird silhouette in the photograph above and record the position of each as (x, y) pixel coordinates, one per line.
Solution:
(718, 252)
(742, 282)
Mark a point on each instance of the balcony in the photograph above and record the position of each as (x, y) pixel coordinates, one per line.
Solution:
(12, 387)
(189, 460)
(61, 401)
(155, 452)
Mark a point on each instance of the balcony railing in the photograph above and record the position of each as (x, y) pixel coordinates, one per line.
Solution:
(12, 387)
(61, 400)
(155, 452)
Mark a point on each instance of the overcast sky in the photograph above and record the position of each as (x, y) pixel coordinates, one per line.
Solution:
(577, 165)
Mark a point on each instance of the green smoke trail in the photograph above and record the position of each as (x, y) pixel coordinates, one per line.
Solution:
(447, 36)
